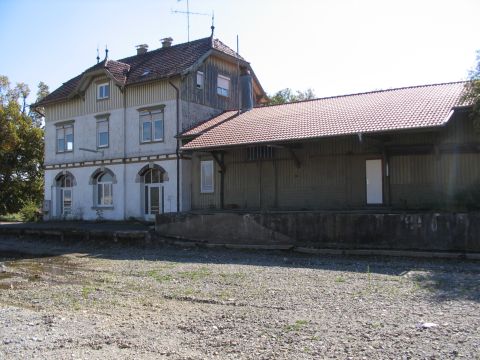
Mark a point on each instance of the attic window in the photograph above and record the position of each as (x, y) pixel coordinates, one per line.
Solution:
(103, 91)
(223, 85)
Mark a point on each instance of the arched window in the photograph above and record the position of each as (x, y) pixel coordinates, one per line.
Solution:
(153, 176)
(103, 188)
(65, 181)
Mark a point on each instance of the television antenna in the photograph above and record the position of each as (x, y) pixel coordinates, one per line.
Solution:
(188, 13)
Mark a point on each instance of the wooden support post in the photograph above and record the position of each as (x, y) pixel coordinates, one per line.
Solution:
(220, 160)
(295, 157)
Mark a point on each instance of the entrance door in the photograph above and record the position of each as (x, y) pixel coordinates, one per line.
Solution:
(374, 180)
(66, 201)
(153, 200)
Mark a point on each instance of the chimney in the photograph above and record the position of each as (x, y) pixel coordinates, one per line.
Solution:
(142, 49)
(246, 89)
(167, 42)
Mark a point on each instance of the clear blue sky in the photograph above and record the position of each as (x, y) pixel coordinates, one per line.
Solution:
(333, 46)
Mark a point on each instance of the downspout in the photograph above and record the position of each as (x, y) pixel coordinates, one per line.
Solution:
(177, 150)
(222, 182)
(124, 153)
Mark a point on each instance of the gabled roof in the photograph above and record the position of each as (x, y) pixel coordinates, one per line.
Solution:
(378, 111)
(158, 64)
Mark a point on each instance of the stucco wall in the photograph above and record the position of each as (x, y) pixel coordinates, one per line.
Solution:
(132, 200)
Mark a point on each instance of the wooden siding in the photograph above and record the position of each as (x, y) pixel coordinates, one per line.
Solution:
(150, 93)
(137, 95)
(331, 174)
(205, 200)
(208, 96)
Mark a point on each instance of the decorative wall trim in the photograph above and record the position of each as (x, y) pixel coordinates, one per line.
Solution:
(117, 161)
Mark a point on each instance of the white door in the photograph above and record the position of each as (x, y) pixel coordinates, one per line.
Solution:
(66, 201)
(374, 181)
(153, 200)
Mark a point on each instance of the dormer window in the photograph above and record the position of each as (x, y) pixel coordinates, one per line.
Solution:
(200, 79)
(223, 85)
(103, 91)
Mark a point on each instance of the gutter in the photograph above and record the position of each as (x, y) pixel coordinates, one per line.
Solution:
(177, 150)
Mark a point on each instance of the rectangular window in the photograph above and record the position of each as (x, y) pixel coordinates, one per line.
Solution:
(103, 91)
(104, 194)
(102, 133)
(64, 138)
(223, 85)
(206, 174)
(151, 123)
(200, 80)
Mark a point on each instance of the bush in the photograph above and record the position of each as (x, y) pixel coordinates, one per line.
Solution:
(30, 212)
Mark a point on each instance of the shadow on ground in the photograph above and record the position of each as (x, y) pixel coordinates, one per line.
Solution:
(444, 279)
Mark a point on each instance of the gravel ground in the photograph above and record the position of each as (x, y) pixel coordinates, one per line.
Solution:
(189, 303)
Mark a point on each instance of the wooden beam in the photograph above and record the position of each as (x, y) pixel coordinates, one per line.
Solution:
(219, 160)
(295, 157)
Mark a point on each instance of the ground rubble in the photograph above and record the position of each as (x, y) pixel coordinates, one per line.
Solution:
(167, 302)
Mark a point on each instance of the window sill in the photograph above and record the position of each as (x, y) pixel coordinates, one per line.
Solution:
(152, 142)
(64, 152)
(102, 207)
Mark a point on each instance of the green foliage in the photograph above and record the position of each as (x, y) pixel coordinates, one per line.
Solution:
(11, 217)
(288, 95)
(472, 91)
(36, 112)
(21, 151)
(30, 212)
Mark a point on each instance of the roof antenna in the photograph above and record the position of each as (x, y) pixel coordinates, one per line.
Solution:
(106, 52)
(213, 24)
(188, 13)
(98, 56)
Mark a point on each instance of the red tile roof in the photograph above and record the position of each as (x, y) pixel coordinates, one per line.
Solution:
(206, 125)
(152, 65)
(378, 111)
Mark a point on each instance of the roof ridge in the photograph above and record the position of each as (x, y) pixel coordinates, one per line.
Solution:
(365, 93)
(163, 48)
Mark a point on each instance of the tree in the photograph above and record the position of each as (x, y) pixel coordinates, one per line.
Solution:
(37, 114)
(287, 95)
(21, 150)
(472, 90)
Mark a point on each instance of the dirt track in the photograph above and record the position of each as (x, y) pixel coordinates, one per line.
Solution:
(176, 303)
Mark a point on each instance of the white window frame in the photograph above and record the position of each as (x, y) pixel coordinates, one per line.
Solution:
(101, 121)
(147, 117)
(223, 85)
(207, 168)
(200, 80)
(100, 201)
(62, 130)
(103, 94)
